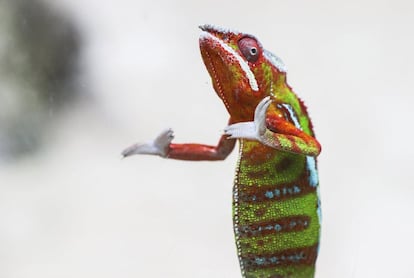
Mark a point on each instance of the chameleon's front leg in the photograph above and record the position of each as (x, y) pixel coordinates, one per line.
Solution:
(163, 147)
(159, 146)
(274, 132)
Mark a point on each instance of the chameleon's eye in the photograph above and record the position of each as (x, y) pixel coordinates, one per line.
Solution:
(249, 48)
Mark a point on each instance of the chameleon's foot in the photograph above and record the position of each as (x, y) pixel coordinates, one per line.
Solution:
(251, 130)
(157, 147)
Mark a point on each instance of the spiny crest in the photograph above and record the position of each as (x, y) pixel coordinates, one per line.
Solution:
(216, 29)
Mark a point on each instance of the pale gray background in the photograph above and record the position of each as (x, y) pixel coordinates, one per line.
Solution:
(76, 209)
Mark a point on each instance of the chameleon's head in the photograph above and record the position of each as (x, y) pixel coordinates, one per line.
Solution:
(242, 72)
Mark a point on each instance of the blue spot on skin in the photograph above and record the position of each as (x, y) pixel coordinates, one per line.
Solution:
(319, 211)
(277, 192)
(313, 174)
(295, 258)
(278, 227)
(296, 189)
(260, 261)
(273, 260)
(269, 194)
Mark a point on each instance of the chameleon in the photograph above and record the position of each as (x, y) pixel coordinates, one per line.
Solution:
(276, 204)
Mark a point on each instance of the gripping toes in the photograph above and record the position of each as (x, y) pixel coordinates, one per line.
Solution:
(260, 115)
(251, 130)
(159, 146)
(246, 130)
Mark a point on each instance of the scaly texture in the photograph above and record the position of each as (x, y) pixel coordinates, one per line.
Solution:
(276, 208)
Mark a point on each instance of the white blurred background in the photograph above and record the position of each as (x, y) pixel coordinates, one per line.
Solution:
(71, 207)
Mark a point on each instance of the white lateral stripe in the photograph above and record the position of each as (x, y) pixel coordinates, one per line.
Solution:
(292, 115)
(244, 66)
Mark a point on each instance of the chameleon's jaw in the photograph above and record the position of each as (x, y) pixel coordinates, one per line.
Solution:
(232, 76)
(213, 64)
(223, 42)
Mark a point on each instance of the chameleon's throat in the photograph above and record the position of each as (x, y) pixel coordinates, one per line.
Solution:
(216, 80)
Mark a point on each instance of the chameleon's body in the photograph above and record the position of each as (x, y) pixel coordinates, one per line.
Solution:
(276, 210)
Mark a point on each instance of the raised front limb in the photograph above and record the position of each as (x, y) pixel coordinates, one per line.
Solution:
(163, 147)
(202, 152)
(274, 132)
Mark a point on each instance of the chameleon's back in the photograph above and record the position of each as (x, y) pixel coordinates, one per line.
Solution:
(275, 205)
(276, 212)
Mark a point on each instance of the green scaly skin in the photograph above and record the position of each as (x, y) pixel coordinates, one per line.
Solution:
(276, 209)
(263, 169)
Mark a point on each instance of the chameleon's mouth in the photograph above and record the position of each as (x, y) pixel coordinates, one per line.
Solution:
(212, 40)
(211, 61)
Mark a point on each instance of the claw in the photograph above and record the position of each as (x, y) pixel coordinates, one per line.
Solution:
(263, 105)
(159, 146)
(251, 130)
(260, 114)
